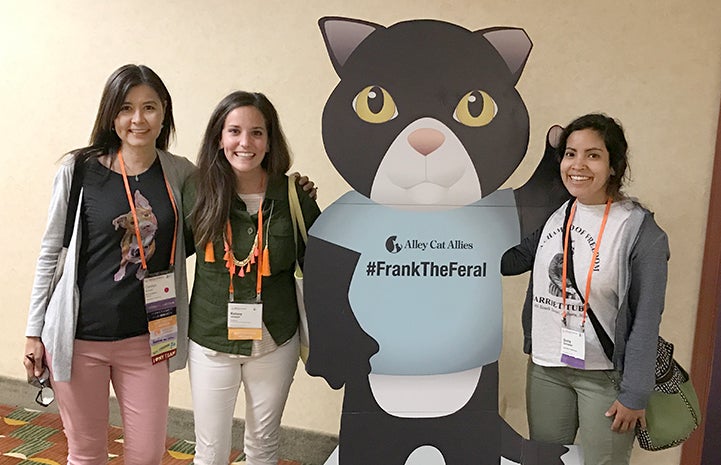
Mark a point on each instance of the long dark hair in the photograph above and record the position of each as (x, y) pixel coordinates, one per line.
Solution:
(612, 134)
(216, 183)
(103, 140)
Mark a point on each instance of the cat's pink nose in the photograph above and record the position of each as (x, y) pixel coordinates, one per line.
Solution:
(426, 140)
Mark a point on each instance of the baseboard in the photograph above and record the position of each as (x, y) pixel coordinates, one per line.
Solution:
(298, 444)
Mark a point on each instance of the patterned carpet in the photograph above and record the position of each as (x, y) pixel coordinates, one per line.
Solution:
(31, 437)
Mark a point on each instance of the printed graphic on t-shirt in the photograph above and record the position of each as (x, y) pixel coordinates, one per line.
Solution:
(129, 248)
(555, 277)
(548, 305)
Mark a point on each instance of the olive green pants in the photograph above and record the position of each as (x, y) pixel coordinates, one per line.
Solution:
(563, 401)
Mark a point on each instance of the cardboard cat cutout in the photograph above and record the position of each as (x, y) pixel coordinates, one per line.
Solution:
(403, 286)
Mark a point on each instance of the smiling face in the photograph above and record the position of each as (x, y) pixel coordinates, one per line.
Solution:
(140, 119)
(585, 167)
(244, 140)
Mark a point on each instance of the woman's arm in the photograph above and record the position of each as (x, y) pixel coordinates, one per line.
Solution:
(50, 246)
(649, 271)
(520, 258)
(188, 203)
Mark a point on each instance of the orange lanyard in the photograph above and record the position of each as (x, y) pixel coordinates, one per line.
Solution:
(230, 262)
(138, 237)
(566, 241)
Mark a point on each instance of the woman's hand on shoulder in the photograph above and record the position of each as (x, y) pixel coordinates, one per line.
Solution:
(624, 418)
(307, 185)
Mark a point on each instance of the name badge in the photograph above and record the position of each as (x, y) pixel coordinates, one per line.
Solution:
(573, 348)
(161, 310)
(245, 321)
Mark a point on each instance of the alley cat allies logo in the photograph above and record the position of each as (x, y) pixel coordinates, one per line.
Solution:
(392, 244)
(448, 267)
(395, 245)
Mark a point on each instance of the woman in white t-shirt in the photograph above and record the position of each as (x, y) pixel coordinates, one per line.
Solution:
(593, 309)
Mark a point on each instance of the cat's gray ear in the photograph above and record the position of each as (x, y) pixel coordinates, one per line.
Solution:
(342, 36)
(513, 44)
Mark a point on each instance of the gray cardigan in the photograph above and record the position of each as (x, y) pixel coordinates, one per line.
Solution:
(54, 320)
(641, 294)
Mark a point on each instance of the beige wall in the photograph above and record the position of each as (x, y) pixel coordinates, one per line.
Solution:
(654, 65)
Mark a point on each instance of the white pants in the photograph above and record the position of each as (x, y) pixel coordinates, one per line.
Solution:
(215, 379)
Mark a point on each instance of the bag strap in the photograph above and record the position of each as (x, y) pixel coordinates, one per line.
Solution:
(296, 214)
(75, 185)
(603, 337)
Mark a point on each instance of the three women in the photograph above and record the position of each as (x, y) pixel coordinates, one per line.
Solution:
(243, 318)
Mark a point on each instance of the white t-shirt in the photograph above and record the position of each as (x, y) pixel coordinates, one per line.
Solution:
(547, 282)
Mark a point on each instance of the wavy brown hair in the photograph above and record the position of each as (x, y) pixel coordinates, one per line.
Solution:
(215, 181)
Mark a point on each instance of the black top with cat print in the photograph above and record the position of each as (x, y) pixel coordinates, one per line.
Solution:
(111, 293)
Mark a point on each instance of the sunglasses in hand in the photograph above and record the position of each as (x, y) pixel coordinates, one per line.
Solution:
(45, 396)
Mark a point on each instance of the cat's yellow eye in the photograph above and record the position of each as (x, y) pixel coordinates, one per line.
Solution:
(475, 109)
(375, 105)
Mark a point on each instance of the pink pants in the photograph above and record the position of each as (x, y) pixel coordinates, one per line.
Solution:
(142, 392)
